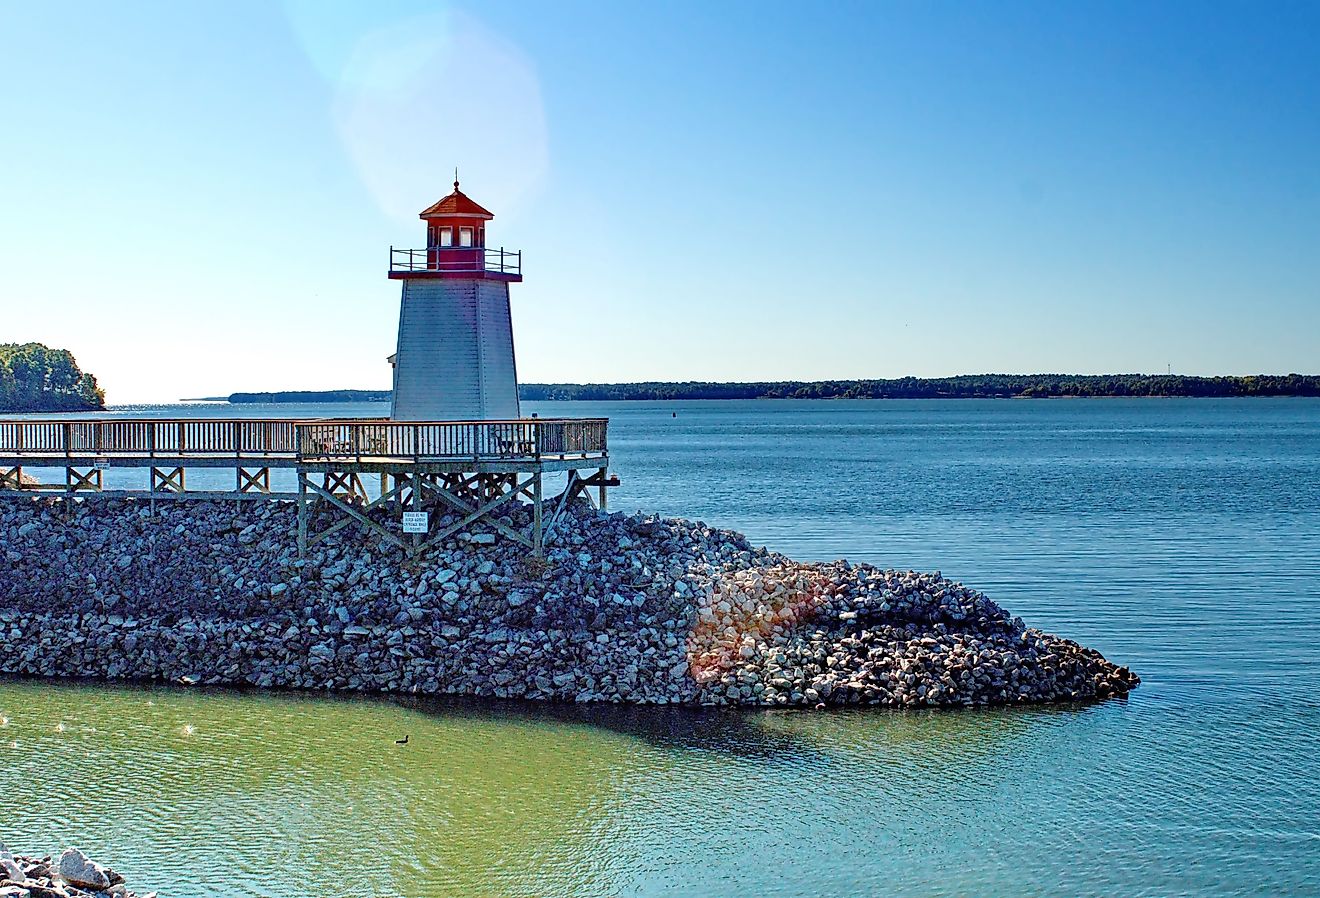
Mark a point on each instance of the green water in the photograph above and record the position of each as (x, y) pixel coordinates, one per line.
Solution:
(262, 791)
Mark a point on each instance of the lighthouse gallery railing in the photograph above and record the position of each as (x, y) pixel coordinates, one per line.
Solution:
(457, 259)
(303, 440)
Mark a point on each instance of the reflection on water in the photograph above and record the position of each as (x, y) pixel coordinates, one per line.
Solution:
(1177, 536)
(517, 798)
(510, 797)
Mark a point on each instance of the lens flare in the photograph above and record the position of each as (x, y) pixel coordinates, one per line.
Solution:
(418, 94)
(747, 612)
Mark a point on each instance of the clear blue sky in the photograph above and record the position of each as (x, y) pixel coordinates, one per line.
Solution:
(198, 197)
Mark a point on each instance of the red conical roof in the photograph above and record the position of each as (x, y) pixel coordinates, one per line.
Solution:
(457, 203)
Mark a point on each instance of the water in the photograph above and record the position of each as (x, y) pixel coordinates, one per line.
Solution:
(1178, 536)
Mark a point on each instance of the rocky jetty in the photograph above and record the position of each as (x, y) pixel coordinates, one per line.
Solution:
(72, 875)
(624, 608)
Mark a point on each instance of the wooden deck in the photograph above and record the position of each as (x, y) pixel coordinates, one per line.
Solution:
(474, 468)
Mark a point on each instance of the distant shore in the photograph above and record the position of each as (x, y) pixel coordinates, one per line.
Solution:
(967, 386)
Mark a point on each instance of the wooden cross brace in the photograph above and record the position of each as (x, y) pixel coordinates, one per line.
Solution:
(83, 480)
(345, 484)
(399, 486)
(167, 480)
(257, 481)
(11, 478)
(464, 486)
(355, 513)
(473, 513)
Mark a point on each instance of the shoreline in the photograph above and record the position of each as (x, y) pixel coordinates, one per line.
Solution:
(114, 406)
(73, 873)
(629, 609)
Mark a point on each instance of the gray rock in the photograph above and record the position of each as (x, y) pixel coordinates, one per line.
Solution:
(36, 879)
(626, 608)
(77, 869)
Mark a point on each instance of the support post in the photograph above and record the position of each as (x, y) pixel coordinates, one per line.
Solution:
(302, 513)
(416, 505)
(604, 475)
(538, 540)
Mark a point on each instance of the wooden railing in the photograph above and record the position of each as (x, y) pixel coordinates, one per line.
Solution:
(322, 440)
(151, 436)
(523, 438)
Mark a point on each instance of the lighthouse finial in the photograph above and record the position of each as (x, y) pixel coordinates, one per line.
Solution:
(455, 177)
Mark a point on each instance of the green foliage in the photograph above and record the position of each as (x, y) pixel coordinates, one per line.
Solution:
(286, 396)
(36, 378)
(966, 386)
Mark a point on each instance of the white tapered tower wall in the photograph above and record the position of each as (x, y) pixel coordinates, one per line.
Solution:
(455, 355)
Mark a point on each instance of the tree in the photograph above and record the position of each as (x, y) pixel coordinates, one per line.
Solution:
(36, 378)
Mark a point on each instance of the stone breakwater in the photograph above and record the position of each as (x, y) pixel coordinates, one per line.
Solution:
(72, 875)
(624, 608)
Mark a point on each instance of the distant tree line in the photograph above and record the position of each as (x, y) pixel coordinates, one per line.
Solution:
(965, 386)
(36, 378)
(285, 396)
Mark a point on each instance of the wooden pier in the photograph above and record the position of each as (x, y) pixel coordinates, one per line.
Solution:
(472, 470)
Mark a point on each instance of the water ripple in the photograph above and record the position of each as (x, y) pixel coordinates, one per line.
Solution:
(1178, 537)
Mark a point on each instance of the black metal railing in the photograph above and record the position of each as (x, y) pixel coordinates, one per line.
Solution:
(457, 259)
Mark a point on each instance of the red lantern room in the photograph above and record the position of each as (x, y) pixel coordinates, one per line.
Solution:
(456, 245)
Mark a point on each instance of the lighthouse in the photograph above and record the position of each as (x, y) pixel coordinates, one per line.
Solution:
(454, 360)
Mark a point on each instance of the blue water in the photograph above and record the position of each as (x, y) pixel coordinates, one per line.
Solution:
(1179, 537)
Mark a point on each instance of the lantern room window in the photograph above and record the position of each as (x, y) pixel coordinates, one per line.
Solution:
(444, 236)
(464, 236)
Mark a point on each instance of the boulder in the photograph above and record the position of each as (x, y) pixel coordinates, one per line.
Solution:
(11, 870)
(77, 869)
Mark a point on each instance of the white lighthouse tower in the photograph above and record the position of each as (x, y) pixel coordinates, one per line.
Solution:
(455, 354)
